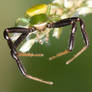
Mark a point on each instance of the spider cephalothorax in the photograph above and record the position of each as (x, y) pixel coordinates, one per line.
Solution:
(39, 20)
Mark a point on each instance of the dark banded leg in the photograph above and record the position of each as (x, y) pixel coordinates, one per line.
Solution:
(86, 40)
(19, 40)
(71, 43)
(66, 22)
(14, 52)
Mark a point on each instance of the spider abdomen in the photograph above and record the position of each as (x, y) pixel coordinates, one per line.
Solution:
(38, 9)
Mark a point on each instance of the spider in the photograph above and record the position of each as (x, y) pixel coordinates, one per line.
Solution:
(38, 19)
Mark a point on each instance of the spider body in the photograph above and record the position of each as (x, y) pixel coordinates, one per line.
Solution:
(39, 21)
(37, 15)
(38, 18)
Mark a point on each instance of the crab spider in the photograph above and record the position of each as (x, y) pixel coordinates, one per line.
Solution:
(38, 20)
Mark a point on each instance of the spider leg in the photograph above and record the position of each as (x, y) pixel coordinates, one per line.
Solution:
(86, 40)
(39, 38)
(71, 43)
(47, 34)
(29, 54)
(71, 21)
(14, 52)
(18, 41)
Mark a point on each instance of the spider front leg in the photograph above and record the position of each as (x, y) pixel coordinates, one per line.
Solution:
(71, 21)
(71, 43)
(14, 52)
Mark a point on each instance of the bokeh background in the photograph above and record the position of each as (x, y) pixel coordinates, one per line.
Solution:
(75, 77)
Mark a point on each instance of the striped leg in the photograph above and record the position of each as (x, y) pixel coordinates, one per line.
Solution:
(14, 52)
(71, 21)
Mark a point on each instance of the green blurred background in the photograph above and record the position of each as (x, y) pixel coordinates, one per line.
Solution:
(75, 77)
